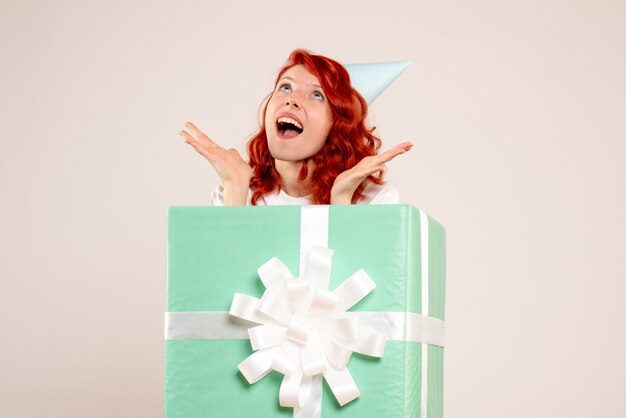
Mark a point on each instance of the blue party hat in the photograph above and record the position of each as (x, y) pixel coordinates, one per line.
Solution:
(372, 79)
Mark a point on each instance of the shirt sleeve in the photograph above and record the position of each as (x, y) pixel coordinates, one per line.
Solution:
(217, 197)
(385, 195)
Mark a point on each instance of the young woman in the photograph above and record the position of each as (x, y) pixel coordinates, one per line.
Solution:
(313, 146)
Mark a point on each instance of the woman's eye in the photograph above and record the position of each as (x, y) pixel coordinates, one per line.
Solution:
(284, 87)
(318, 95)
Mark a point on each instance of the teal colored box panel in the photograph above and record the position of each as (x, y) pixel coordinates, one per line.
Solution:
(214, 252)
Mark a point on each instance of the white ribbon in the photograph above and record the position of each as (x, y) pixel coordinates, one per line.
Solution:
(220, 325)
(425, 309)
(304, 329)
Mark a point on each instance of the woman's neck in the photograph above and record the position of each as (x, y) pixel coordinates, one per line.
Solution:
(289, 172)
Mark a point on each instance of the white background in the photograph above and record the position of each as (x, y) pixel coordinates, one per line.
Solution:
(517, 112)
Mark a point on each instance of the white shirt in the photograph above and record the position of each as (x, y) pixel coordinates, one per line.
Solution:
(373, 195)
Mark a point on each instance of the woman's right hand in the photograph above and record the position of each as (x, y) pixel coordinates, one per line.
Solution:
(232, 170)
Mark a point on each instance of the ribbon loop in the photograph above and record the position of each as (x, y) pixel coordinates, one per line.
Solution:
(287, 359)
(289, 394)
(324, 302)
(351, 291)
(272, 305)
(312, 356)
(338, 355)
(299, 292)
(348, 327)
(265, 336)
(299, 329)
(294, 390)
(257, 365)
(245, 307)
(273, 270)
(342, 385)
(371, 343)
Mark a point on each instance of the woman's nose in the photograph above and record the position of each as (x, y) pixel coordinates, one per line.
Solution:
(292, 102)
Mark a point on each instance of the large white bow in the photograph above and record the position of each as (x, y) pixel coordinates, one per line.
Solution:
(305, 330)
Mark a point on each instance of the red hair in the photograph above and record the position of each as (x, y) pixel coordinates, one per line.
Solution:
(348, 142)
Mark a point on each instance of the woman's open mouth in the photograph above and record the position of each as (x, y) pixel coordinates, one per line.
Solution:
(288, 128)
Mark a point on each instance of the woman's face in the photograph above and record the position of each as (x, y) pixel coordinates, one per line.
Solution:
(298, 116)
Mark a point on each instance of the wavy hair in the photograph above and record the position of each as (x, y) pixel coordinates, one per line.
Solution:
(348, 142)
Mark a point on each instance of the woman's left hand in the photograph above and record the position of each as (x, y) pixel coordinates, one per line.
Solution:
(347, 182)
